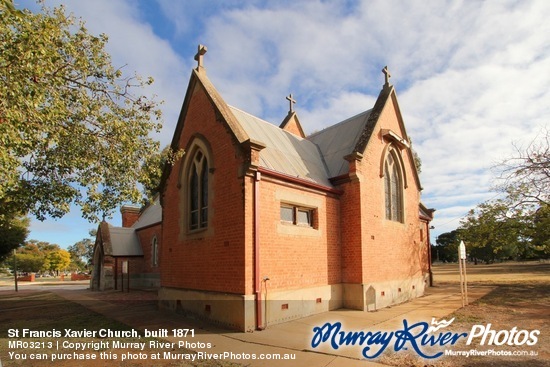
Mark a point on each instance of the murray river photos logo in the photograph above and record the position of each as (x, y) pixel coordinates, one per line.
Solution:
(418, 337)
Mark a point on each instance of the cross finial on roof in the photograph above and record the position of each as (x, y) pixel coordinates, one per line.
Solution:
(199, 56)
(290, 101)
(387, 76)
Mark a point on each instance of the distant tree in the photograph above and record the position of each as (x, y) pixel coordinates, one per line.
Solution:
(81, 253)
(13, 232)
(494, 230)
(30, 247)
(72, 128)
(538, 233)
(40, 249)
(58, 260)
(525, 177)
(447, 247)
(46, 247)
(30, 263)
(518, 224)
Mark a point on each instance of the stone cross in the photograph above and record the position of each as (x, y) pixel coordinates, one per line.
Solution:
(199, 56)
(387, 76)
(291, 101)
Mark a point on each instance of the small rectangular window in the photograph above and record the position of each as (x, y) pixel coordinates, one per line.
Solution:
(304, 217)
(297, 215)
(287, 214)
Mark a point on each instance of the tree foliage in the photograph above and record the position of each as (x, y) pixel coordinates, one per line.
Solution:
(71, 128)
(28, 263)
(152, 169)
(13, 233)
(518, 224)
(40, 256)
(494, 231)
(447, 247)
(82, 253)
(58, 260)
(525, 177)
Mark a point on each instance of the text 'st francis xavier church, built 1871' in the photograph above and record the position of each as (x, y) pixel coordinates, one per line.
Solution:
(259, 224)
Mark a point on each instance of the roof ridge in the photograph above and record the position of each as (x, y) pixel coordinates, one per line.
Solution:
(267, 122)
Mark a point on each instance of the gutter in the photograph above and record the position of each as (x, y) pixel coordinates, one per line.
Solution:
(299, 181)
(257, 284)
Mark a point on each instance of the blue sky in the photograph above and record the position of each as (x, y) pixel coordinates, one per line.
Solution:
(472, 77)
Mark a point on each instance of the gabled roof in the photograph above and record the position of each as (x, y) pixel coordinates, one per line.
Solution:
(118, 241)
(284, 152)
(337, 141)
(151, 214)
(125, 242)
(292, 124)
(316, 159)
(199, 79)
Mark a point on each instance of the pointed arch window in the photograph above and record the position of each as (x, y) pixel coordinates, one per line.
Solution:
(198, 192)
(393, 188)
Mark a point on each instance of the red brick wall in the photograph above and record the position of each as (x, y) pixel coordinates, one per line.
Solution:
(293, 256)
(392, 250)
(130, 215)
(351, 224)
(353, 242)
(214, 259)
(75, 276)
(145, 236)
(136, 265)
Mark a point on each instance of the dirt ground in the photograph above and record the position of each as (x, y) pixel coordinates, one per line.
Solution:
(521, 299)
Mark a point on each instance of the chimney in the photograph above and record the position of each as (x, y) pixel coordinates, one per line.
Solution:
(130, 215)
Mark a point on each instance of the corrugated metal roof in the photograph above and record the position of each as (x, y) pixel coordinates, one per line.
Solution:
(339, 140)
(124, 242)
(284, 151)
(151, 215)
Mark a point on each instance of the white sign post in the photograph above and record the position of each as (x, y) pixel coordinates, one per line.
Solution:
(462, 269)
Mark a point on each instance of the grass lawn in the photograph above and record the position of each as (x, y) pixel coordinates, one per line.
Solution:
(521, 299)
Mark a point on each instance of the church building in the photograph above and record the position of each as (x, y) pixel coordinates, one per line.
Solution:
(128, 256)
(263, 224)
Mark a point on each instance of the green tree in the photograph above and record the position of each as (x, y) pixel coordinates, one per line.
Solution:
(13, 232)
(58, 260)
(153, 169)
(81, 253)
(447, 247)
(31, 247)
(494, 230)
(538, 233)
(72, 129)
(27, 262)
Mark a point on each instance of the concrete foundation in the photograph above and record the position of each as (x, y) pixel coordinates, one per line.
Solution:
(238, 311)
(376, 295)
